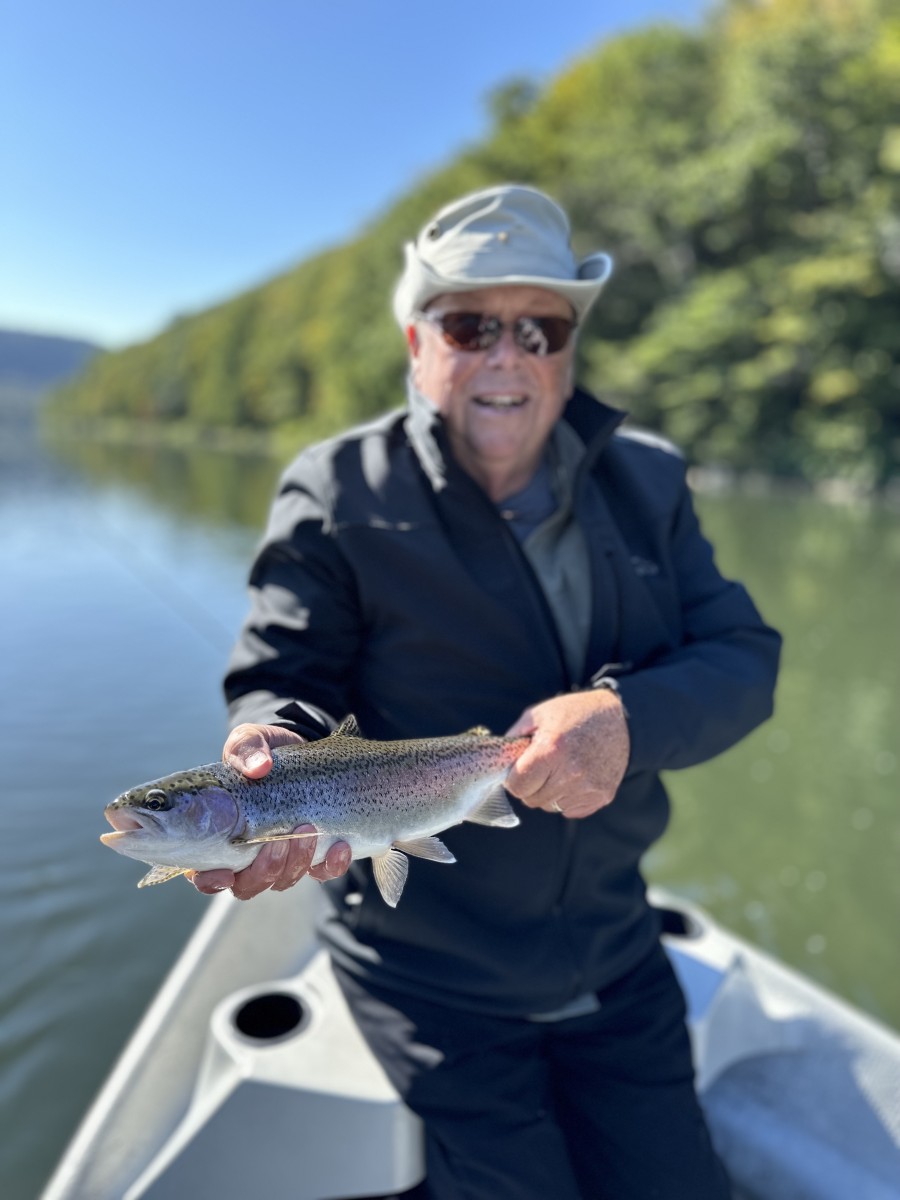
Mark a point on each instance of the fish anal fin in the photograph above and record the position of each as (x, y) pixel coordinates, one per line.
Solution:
(431, 848)
(349, 727)
(494, 809)
(390, 871)
(159, 874)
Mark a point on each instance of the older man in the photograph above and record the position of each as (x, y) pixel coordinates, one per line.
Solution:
(500, 553)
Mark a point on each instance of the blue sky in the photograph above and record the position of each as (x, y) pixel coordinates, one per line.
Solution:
(160, 155)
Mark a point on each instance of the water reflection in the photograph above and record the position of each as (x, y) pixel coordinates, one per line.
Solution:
(792, 837)
(212, 486)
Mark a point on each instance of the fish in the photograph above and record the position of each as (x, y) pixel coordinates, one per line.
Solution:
(386, 799)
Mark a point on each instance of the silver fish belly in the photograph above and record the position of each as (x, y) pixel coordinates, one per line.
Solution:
(387, 800)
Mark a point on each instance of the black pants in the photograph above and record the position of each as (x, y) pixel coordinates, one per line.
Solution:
(599, 1107)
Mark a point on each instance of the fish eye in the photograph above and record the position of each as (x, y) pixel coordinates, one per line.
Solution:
(155, 800)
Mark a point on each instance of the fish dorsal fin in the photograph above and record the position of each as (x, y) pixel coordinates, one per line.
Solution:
(431, 848)
(494, 809)
(478, 731)
(347, 728)
(161, 875)
(390, 871)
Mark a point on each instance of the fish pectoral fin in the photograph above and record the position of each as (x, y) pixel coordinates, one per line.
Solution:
(273, 837)
(390, 871)
(160, 874)
(494, 809)
(347, 728)
(431, 848)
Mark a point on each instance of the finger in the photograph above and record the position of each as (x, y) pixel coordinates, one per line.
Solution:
(262, 872)
(300, 854)
(336, 862)
(247, 750)
(210, 882)
(528, 779)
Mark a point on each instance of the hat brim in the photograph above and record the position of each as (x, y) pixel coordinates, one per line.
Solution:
(419, 285)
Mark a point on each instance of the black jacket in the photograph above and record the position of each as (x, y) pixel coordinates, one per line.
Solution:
(388, 586)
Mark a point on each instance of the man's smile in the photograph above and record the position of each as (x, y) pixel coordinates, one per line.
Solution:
(500, 401)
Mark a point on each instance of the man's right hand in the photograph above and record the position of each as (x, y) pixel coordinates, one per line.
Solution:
(279, 865)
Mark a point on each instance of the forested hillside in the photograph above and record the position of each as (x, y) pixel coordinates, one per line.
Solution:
(745, 176)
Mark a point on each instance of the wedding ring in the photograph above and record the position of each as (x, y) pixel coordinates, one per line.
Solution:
(556, 807)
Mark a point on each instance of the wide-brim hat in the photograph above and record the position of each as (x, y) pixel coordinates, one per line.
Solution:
(503, 235)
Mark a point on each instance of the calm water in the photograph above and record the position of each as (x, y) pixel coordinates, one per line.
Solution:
(121, 586)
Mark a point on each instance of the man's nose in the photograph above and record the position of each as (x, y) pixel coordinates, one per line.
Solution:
(505, 349)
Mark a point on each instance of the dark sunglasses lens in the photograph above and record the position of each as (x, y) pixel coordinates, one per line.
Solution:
(478, 331)
(543, 335)
(469, 331)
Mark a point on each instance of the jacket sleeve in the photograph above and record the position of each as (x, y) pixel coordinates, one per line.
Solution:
(295, 653)
(699, 699)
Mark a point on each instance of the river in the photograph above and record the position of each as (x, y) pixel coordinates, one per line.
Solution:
(122, 585)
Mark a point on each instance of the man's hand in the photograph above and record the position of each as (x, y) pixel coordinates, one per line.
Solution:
(578, 754)
(279, 865)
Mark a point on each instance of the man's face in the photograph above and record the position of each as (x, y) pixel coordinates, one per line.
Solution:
(499, 404)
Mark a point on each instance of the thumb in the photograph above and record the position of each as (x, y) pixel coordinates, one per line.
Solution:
(249, 747)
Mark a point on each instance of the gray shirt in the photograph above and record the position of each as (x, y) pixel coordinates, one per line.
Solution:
(540, 515)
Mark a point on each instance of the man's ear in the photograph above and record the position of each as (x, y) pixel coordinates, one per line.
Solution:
(412, 339)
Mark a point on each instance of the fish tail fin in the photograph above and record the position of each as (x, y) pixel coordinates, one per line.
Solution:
(159, 874)
(494, 809)
(390, 871)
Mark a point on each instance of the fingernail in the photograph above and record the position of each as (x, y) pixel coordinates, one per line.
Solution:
(257, 759)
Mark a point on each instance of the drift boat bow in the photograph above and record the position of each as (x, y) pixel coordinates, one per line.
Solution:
(247, 1065)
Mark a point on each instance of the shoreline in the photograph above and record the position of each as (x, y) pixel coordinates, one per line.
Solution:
(280, 445)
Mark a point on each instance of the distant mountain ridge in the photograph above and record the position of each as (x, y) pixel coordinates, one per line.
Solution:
(31, 366)
(38, 361)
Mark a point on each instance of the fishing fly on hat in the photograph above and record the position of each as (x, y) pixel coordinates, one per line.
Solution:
(508, 234)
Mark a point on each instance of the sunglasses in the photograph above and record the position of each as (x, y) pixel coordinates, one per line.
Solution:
(478, 331)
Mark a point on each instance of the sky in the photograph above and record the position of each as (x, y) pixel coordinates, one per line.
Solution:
(159, 156)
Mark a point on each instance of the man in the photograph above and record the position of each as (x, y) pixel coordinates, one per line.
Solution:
(501, 554)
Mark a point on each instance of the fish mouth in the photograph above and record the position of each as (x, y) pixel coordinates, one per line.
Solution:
(110, 839)
(127, 825)
(121, 820)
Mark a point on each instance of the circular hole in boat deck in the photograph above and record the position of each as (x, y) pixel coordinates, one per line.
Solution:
(270, 1015)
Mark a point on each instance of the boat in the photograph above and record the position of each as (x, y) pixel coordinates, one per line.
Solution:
(247, 1075)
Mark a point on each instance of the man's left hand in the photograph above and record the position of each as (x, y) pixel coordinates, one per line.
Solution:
(578, 754)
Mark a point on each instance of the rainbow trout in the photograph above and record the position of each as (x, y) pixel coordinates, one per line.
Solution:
(385, 799)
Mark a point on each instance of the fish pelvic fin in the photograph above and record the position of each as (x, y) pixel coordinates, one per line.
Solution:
(431, 848)
(494, 809)
(273, 837)
(160, 874)
(349, 727)
(390, 871)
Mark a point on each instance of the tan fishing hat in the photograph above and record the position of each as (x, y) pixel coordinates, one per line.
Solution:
(508, 234)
